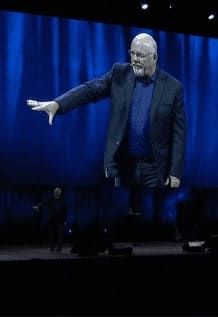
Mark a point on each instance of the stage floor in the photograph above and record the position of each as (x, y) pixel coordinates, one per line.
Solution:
(158, 279)
(34, 252)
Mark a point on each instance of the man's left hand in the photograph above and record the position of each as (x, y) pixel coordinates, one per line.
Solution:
(173, 182)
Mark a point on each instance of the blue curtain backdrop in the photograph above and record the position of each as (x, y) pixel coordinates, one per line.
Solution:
(41, 57)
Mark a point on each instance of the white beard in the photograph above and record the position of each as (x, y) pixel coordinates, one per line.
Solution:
(139, 72)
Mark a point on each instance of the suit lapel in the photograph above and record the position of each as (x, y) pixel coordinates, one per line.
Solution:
(129, 88)
(158, 92)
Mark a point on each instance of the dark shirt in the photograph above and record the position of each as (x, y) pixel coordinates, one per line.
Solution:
(57, 209)
(138, 127)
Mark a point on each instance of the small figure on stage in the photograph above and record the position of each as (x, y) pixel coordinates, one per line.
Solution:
(57, 214)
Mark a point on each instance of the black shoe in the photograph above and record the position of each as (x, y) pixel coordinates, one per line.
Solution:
(90, 251)
(85, 249)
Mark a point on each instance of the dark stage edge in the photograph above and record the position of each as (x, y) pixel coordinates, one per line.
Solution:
(158, 279)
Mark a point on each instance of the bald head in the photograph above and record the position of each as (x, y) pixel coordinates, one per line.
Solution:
(146, 42)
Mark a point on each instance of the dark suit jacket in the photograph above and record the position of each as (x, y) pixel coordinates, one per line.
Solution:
(167, 117)
(57, 209)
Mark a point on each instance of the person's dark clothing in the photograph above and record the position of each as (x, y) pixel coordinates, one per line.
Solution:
(56, 222)
(57, 213)
(56, 210)
(167, 129)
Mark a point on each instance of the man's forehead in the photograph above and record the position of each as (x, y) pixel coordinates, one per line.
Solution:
(143, 44)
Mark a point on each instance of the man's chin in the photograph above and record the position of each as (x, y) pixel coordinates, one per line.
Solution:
(138, 72)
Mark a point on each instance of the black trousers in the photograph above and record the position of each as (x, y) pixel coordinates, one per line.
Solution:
(56, 234)
(140, 174)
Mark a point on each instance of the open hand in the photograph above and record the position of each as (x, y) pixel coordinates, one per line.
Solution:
(50, 107)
